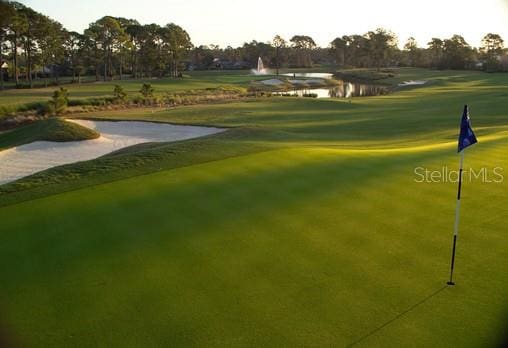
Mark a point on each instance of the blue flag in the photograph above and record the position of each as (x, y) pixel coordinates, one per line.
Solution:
(466, 137)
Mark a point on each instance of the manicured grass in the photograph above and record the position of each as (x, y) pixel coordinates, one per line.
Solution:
(301, 226)
(52, 129)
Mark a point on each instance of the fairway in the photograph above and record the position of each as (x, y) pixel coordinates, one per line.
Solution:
(301, 225)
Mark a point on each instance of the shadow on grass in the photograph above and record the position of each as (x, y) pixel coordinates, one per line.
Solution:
(398, 316)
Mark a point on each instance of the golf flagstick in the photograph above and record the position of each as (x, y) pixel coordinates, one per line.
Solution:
(457, 216)
(466, 138)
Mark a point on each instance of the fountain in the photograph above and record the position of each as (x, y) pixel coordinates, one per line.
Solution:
(260, 68)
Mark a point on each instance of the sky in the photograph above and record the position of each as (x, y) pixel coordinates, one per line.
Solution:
(230, 22)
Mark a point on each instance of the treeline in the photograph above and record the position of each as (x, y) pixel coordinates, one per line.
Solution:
(374, 49)
(33, 46)
(36, 47)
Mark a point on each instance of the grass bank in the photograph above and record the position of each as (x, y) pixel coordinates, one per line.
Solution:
(53, 129)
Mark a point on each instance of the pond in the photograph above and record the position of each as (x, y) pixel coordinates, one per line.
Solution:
(343, 90)
(28, 159)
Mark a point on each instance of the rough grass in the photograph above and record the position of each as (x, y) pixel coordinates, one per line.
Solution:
(16, 98)
(301, 226)
(52, 129)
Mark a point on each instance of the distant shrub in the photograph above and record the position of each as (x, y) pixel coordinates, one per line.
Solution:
(119, 94)
(147, 94)
(137, 100)
(40, 108)
(147, 91)
(232, 90)
(91, 101)
(172, 99)
(59, 101)
(78, 102)
(310, 95)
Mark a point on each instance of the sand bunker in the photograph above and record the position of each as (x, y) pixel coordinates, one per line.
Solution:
(272, 82)
(298, 82)
(28, 159)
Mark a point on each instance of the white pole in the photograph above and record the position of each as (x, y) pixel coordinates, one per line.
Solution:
(457, 216)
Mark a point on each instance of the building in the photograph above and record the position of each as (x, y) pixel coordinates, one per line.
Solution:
(5, 69)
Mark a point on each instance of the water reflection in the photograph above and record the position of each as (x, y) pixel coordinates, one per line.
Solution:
(350, 89)
(343, 90)
(311, 75)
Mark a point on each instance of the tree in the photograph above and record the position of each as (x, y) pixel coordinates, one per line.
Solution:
(202, 57)
(134, 31)
(251, 51)
(149, 51)
(82, 58)
(492, 43)
(110, 36)
(351, 50)
(413, 53)
(177, 43)
(7, 14)
(50, 39)
(17, 26)
(435, 49)
(73, 49)
(126, 45)
(279, 43)
(457, 54)
(338, 50)
(28, 38)
(491, 50)
(381, 44)
(303, 45)
(92, 46)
